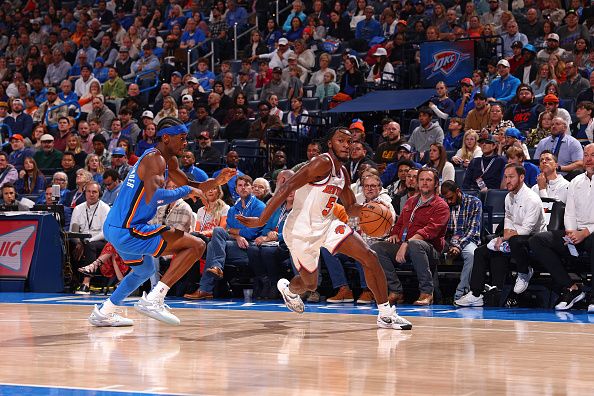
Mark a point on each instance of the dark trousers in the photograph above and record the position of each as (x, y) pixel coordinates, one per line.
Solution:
(549, 248)
(267, 260)
(497, 263)
(91, 250)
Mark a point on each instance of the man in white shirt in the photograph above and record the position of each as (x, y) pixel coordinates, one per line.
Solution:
(88, 218)
(83, 84)
(524, 216)
(550, 247)
(279, 57)
(550, 184)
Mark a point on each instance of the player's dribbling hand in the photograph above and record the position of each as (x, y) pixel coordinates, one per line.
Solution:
(225, 175)
(250, 222)
(198, 193)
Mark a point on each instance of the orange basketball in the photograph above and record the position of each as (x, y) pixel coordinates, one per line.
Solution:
(375, 219)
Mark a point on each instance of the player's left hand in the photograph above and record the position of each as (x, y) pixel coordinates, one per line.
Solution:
(225, 175)
(250, 222)
(198, 193)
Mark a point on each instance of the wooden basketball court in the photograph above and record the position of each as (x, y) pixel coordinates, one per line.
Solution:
(220, 350)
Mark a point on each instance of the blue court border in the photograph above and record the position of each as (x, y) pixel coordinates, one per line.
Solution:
(433, 311)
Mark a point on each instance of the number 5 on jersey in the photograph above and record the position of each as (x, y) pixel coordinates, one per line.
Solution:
(329, 206)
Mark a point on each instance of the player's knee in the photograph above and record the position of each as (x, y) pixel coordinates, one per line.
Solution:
(198, 246)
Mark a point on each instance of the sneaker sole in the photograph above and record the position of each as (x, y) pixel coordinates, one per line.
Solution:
(346, 300)
(280, 285)
(364, 302)
(104, 324)
(469, 305)
(393, 326)
(157, 316)
(577, 298)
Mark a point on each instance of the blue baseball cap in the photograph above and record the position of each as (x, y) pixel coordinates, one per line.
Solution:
(529, 48)
(118, 151)
(515, 133)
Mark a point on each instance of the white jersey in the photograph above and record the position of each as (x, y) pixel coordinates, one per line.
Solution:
(312, 224)
(314, 203)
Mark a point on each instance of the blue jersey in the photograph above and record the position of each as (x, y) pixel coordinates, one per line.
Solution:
(130, 208)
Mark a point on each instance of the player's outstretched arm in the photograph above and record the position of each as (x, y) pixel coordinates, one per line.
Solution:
(316, 170)
(181, 179)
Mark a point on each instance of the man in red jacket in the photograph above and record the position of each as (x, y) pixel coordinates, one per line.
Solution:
(418, 237)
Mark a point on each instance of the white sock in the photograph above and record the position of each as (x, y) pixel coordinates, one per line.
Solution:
(159, 291)
(385, 309)
(108, 307)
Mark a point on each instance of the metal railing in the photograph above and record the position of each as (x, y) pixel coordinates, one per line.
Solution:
(69, 103)
(279, 11)
(249, 30)
(190, 55)
(139, 76)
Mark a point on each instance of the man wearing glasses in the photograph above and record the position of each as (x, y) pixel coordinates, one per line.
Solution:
(551, 103)
(112, 186)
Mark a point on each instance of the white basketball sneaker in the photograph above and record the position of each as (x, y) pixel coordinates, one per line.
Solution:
(294, 303)
(522, 281)
(393, 321)
(156, 309)
(469, 300)
(111, 320)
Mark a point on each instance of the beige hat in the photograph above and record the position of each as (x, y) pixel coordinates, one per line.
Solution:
(46, 138)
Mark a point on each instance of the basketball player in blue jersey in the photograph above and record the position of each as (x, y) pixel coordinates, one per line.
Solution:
(312, 225)
(127, 228)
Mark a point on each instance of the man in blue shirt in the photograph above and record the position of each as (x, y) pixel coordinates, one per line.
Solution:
(503, 88)
(205, 77)
(368, 28)
(568, 149)
(192, 36)
(112, 184)
(232, 160)
(230, 244)
(188, 167)
(235, 15)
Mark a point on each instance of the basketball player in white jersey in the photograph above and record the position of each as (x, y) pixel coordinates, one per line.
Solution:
(312, 225)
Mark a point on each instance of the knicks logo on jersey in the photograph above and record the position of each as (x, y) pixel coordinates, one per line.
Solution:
(332, 190)
(340, 229)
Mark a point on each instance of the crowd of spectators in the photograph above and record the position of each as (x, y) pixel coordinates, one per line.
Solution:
(77, 110)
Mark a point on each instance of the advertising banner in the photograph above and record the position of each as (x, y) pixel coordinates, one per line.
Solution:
(17, 245)
(446, 61)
